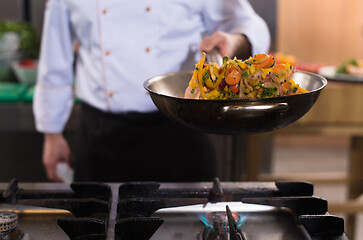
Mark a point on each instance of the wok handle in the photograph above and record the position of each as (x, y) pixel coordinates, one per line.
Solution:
(214, 56)
(253, 109)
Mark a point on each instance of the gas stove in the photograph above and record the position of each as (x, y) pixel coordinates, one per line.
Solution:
(152, 210)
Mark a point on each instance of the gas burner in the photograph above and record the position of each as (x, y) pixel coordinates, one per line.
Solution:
(9, 229)
(8, 221)
(218, 221)
(223, 226)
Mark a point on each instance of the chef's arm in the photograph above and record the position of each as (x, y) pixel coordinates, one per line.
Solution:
(53, 95)
(55, 150)
(237, 30)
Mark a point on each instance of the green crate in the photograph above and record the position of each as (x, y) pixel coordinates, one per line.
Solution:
(12, 92)
(28, 96)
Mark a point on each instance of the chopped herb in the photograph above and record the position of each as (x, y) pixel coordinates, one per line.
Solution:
(192, 91)
(245, 73)
(206, 75)
(258, 85)
(269, 92)
(294, 89)
(234, 95)
(231, 93)
(225, 59)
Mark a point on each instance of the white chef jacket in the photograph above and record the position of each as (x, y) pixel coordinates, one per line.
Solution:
(122, 44)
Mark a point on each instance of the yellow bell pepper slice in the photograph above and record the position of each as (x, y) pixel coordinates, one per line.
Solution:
(200, 75)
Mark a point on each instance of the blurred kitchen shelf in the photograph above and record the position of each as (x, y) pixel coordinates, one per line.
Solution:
(312, 141)
(348, 207)
(325, 161)
(315, 178)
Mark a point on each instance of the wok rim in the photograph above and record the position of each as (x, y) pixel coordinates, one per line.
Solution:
(149, 82)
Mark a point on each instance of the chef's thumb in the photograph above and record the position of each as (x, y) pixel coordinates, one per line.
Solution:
(207, 44)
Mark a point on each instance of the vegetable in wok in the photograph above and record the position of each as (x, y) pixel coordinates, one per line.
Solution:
(256, 77)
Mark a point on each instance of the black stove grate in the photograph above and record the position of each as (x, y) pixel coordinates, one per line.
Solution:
(91, 203)
(140, 200)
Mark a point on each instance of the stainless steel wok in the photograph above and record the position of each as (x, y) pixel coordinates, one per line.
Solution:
(232, 116)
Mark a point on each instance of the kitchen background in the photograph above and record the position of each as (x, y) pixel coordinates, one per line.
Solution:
(324, 147)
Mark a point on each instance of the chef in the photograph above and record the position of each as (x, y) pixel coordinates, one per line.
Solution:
(121, 44)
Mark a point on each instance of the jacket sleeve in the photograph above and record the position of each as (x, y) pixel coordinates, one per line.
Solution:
(238, 16)
(53, 95)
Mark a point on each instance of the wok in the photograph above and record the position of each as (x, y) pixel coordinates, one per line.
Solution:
(232, 116)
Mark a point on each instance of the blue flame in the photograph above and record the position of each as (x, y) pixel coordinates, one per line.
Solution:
(208, 224)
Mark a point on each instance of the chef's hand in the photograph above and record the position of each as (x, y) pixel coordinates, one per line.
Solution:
(55, 150)
(231, 45)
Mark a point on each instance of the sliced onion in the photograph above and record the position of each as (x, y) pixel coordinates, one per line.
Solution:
(188, 93)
